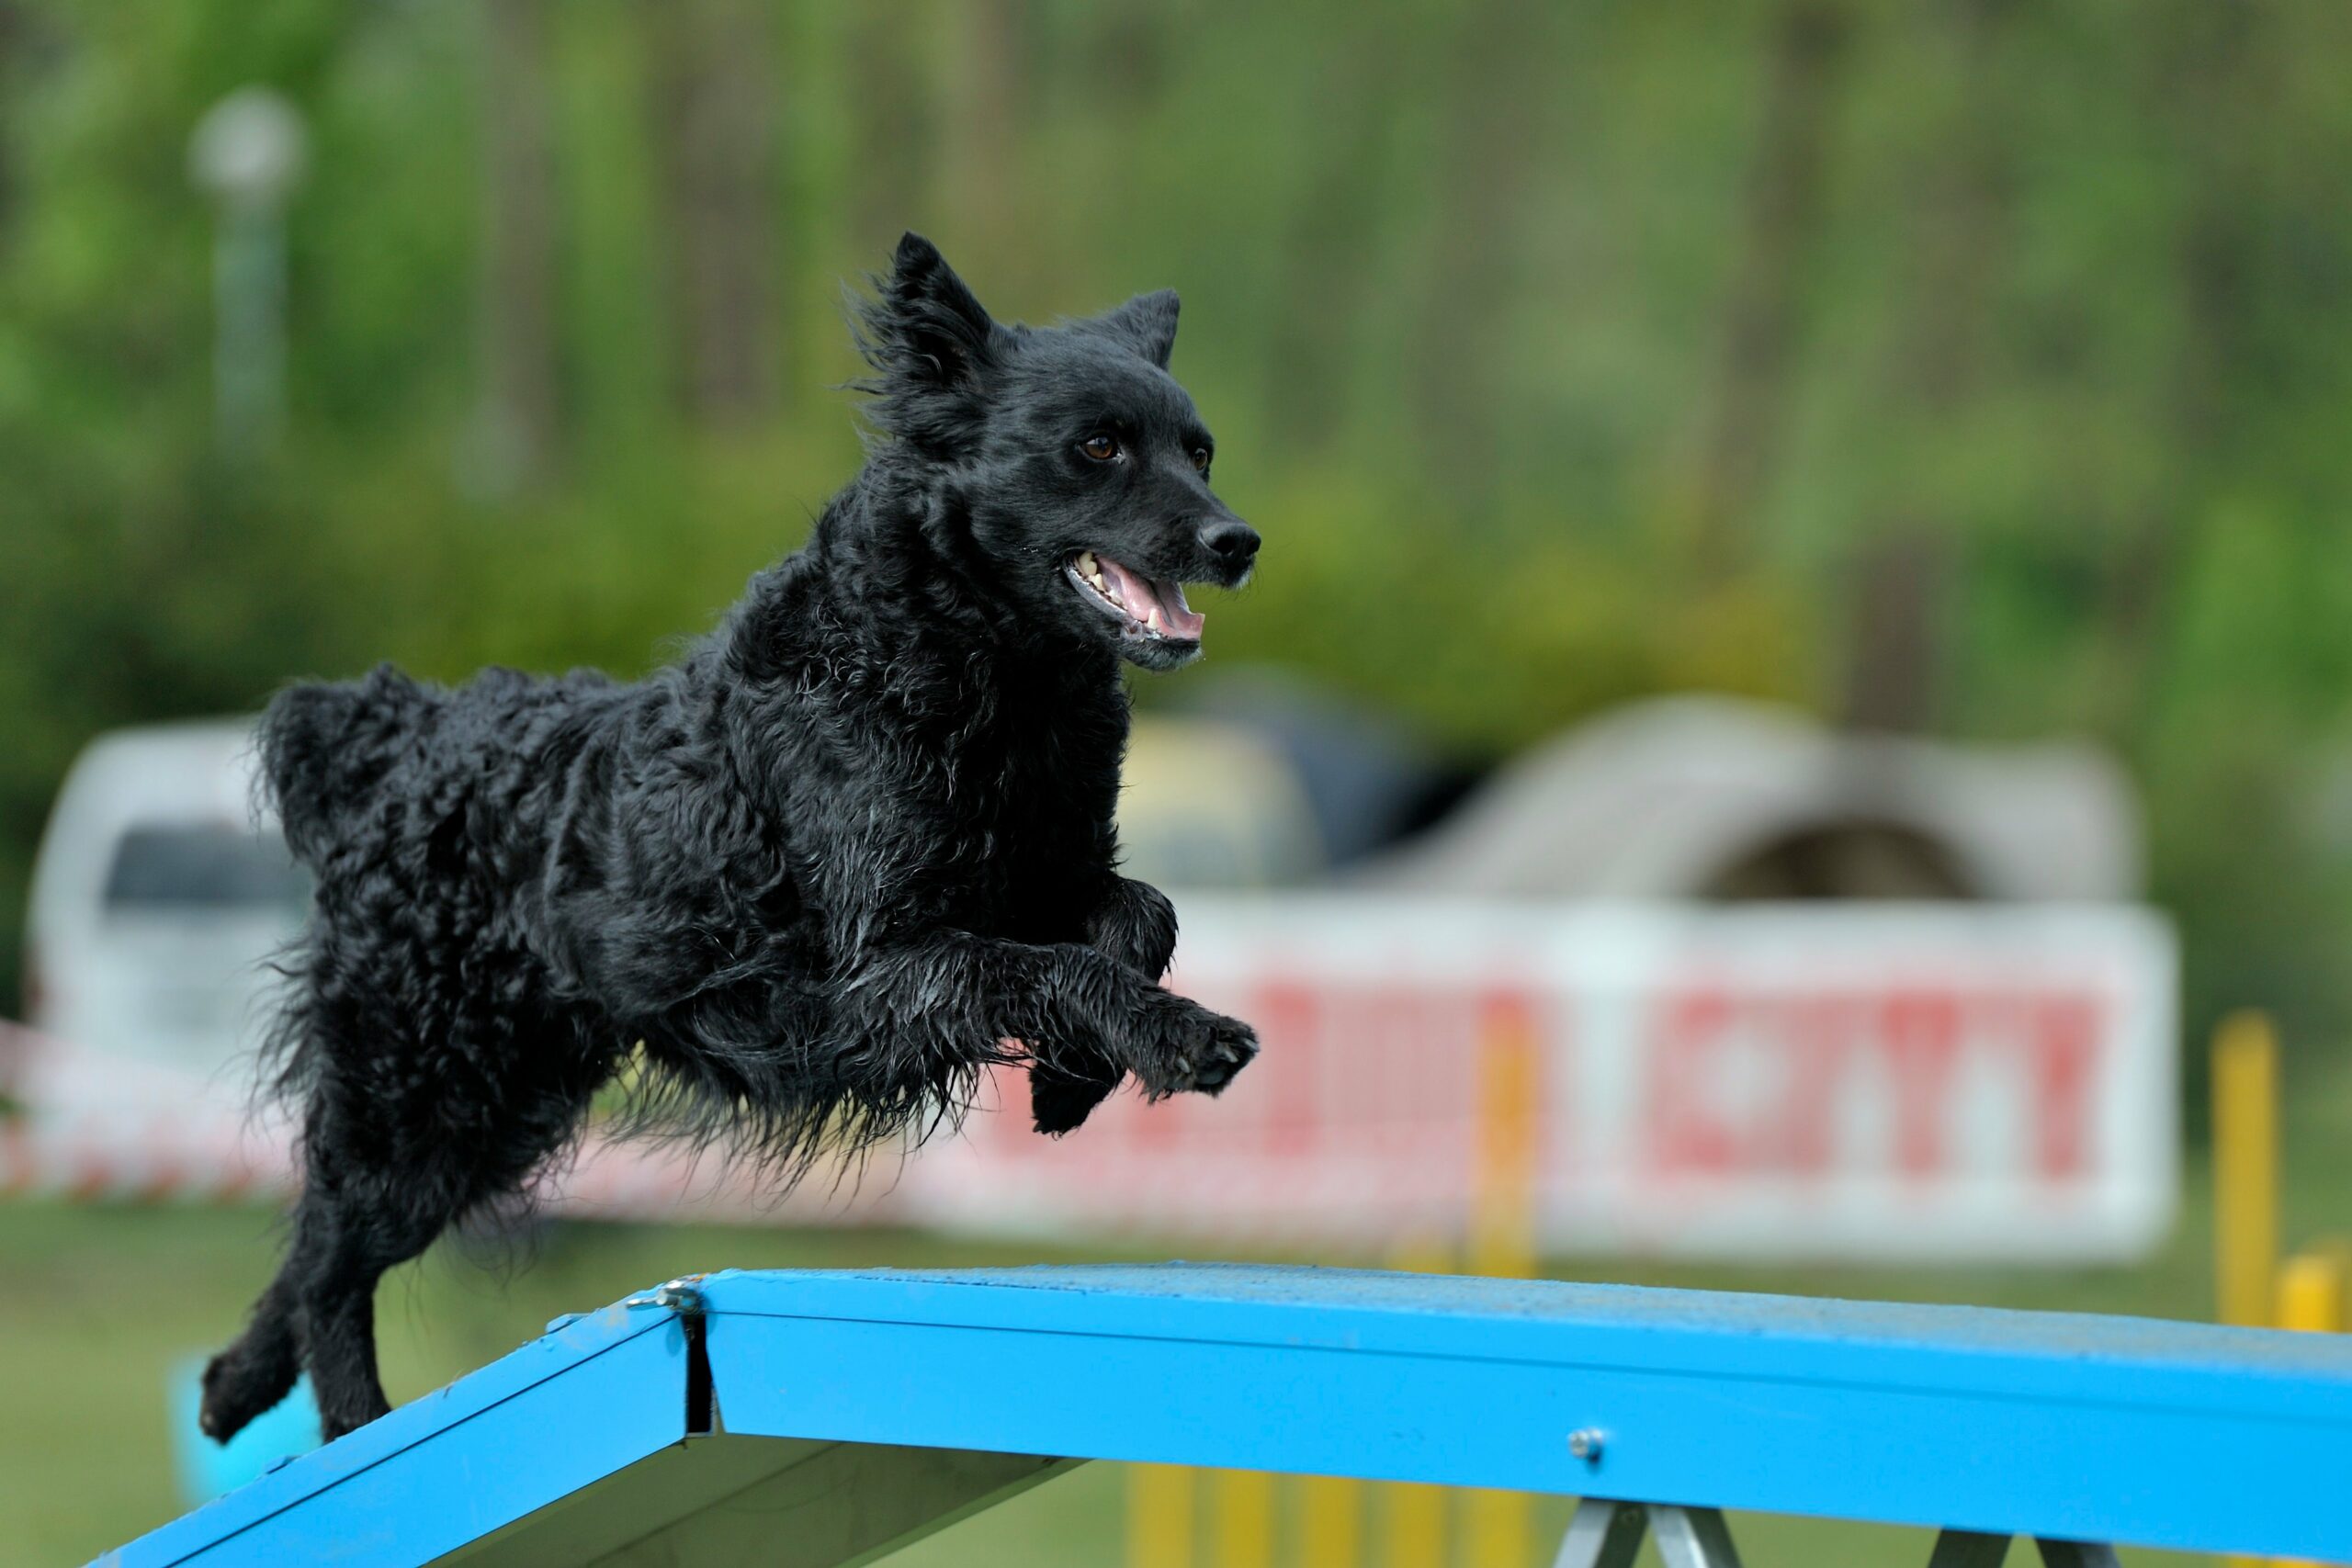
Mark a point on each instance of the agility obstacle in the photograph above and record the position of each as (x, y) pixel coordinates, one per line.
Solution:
(825, 1418)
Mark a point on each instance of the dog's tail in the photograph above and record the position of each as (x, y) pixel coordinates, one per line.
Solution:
(325, 750)
(325, 746)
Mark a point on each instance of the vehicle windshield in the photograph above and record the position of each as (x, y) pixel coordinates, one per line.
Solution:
(203, 866)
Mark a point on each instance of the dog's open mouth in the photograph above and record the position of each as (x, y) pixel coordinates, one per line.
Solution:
(1145, 606)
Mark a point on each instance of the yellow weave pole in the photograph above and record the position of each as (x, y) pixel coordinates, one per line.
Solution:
(1414, 1532)
(1159, 1516)
(1502, 1219)
(2246, 1169)
(2311, 1299)
(2245, 1179)
(2312, 1293)
(1498, 1528)
(1245, 1518)
(1413, 1517)
(1495, 1529)
(1331, 1522)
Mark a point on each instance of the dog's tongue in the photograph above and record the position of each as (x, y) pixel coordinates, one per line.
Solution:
(1158, 605)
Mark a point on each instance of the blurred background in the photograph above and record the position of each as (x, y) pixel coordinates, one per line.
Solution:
(1908, 439)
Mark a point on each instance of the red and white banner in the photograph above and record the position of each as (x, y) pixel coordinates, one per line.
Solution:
(1869, 1082)
(1773, 1082)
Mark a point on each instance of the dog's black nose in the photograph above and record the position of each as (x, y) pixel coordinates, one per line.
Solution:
(1232, 542)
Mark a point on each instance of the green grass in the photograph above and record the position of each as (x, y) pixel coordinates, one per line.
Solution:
(96, 1304)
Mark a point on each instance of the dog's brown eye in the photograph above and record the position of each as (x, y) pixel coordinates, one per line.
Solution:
(1100, 448)
(1201, 458)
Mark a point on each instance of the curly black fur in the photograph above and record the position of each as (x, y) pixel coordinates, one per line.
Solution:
(854, 849)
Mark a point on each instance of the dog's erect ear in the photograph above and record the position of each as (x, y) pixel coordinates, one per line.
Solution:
(930, 344)
(1146, 324)
(937, 330)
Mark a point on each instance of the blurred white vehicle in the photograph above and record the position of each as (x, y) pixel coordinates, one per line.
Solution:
(1205, 803)
(159, 896)
(1720, 799)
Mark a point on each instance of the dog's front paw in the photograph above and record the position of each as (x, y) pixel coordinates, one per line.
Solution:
(1198, 1051)
(1060, 1101)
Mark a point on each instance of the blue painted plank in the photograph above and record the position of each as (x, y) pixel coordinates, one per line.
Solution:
(2166, 1434)
(586, 1400)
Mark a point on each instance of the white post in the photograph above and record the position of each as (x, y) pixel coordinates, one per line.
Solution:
(247, 154)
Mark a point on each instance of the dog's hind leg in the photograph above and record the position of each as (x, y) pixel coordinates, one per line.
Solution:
(259, 1370)
(373, 1217)
(321, 1273)
(359, 1239)
(398, 1144)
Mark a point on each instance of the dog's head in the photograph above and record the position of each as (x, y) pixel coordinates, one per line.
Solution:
(1079, 467)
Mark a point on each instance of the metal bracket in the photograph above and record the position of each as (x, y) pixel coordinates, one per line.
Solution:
(1606, 1534)
(683, 1295)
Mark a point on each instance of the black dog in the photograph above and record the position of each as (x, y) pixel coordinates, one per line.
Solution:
(853, 849)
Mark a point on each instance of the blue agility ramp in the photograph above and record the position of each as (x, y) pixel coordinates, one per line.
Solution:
(828, 1419)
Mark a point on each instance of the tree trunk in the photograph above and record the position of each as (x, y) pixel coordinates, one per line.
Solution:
(1779, 220)
(13, 71)
(2215, 89)
(1489, 147)
(520, 412)
(1901, 577)
(711, 76)
(1327, 287)
(892, 132)
(981, 187)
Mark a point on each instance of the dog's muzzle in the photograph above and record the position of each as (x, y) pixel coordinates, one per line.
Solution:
(1145, 606)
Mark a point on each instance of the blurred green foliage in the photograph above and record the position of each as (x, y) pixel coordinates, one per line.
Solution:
(1968, 367)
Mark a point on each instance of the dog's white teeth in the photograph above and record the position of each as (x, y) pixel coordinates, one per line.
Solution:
(1086, 565)
(1152, 620)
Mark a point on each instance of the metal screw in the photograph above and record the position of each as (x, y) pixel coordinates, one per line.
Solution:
(679, 1295)
(1584, 1443)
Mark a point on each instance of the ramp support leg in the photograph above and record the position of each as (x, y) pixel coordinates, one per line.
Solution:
(1603, 1535)
(1969, 1549)
(1606, 1534)
(1974, 1549)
